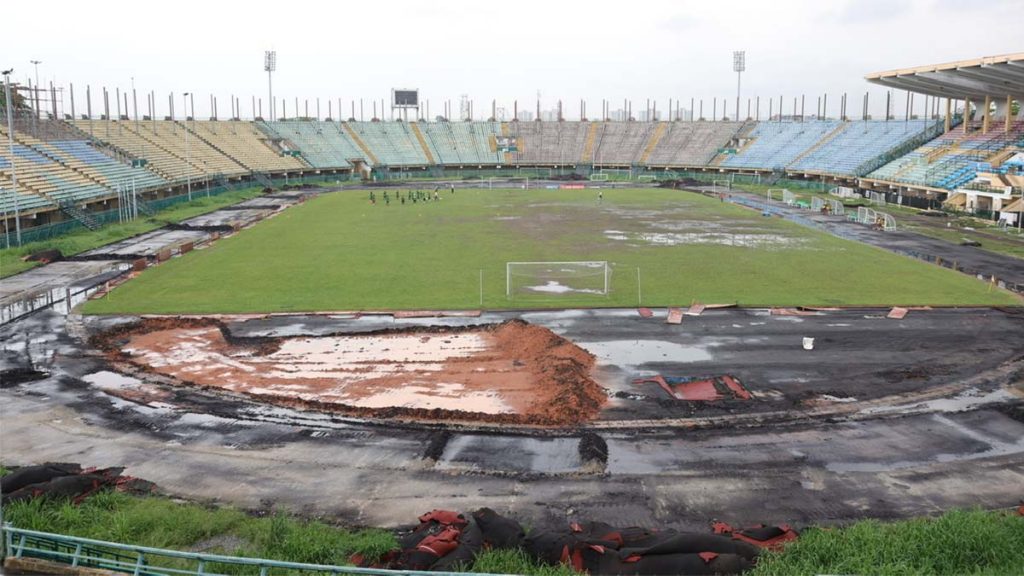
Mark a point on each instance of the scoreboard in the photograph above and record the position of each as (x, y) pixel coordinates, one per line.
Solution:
(405, 98)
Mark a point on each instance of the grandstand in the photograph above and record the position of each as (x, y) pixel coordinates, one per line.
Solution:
(85, 160)
(776, 145)
(246, 145)
(688, 144)
(852, 151)
(321, 144)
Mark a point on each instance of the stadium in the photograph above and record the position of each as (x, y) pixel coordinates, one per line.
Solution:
(749, 311)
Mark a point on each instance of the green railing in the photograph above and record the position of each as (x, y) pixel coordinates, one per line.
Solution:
(145, 561)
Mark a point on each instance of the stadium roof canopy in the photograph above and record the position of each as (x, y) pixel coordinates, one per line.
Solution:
(995, 76)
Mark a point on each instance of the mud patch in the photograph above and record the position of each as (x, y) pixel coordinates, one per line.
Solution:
(14, 376)
(513, 372)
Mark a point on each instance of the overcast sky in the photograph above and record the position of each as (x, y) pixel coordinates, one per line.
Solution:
(592, 50)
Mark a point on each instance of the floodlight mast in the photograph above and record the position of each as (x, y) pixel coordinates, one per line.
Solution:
(739, 65)
(269, 66)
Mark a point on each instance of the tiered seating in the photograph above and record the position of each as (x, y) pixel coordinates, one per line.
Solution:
(162, 144)
(559, 143)
(393, 143)
(621, 142)
(692, 143)
(46, 177)
(322, 144)
(778, 144)
(463, 143)
(859, 143)
(244, 143)
(83, 157)
(953, 159)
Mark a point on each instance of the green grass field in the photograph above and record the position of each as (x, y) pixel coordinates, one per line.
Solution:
(959, 542)
(339, 252)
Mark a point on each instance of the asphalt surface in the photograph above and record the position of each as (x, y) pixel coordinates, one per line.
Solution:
(932, 426)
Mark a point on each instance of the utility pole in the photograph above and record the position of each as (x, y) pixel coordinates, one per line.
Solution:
(10, 143)
(188, 152)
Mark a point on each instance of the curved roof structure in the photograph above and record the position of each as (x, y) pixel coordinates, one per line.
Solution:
(995, 76)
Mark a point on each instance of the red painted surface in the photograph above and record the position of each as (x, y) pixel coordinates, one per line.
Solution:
(675, 316)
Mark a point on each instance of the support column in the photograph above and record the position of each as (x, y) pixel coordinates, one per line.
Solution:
(986, 116)
(1009, 120)
(967, 115)
(949, 115)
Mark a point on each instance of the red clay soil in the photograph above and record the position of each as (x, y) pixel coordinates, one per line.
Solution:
(508, 373)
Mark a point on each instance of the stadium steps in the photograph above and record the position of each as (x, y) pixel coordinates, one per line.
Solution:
(659, 131)
(362, 145)
(997, 159)
(214, 146)
(68, 207)
(823, 141)
(588, 146)
(423, 143)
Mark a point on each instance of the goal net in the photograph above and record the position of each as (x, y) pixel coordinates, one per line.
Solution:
(817, 204)
(719, 186)
(877, 198)
(599, 177)
(554, 279)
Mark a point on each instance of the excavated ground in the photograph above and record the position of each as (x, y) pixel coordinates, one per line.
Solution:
(508, 373)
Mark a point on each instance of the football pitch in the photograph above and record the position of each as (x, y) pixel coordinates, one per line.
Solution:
(663, 247)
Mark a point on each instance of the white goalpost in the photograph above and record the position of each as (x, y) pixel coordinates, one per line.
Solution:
(599, 177)
(557, 278)
(837, 207)
(877, 198)
(817, 203)
(788, 198)
(726, 185)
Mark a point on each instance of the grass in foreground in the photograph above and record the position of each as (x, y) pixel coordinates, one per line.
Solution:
(338, 252)
(164, 523)
(84, 239)
(957, 543)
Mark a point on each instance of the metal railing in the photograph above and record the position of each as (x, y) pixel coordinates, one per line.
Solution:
(146, 561)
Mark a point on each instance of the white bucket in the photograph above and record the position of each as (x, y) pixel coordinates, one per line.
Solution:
(808, 343)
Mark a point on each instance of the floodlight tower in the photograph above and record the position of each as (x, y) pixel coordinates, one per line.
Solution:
(739, 65)
(269, 66)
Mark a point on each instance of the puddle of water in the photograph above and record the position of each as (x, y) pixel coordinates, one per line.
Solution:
(966, 400)
(746, 240)
(536, 455)
(555, 287)
(637, 352)
(107, 380)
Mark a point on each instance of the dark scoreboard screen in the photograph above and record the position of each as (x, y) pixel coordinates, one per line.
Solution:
(406, 98)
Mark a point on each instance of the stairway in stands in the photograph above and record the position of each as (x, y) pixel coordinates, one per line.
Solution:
(659, 131)
(78, 214)
(212, 145)
(362, 145)
(824, 140)
(588, 146)
(423, 142)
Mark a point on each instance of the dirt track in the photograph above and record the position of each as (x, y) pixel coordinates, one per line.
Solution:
(511, 372)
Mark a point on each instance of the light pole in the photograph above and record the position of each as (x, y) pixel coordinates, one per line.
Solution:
(188, 154)
(739, 64)
(10, 143)
(269, 65)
